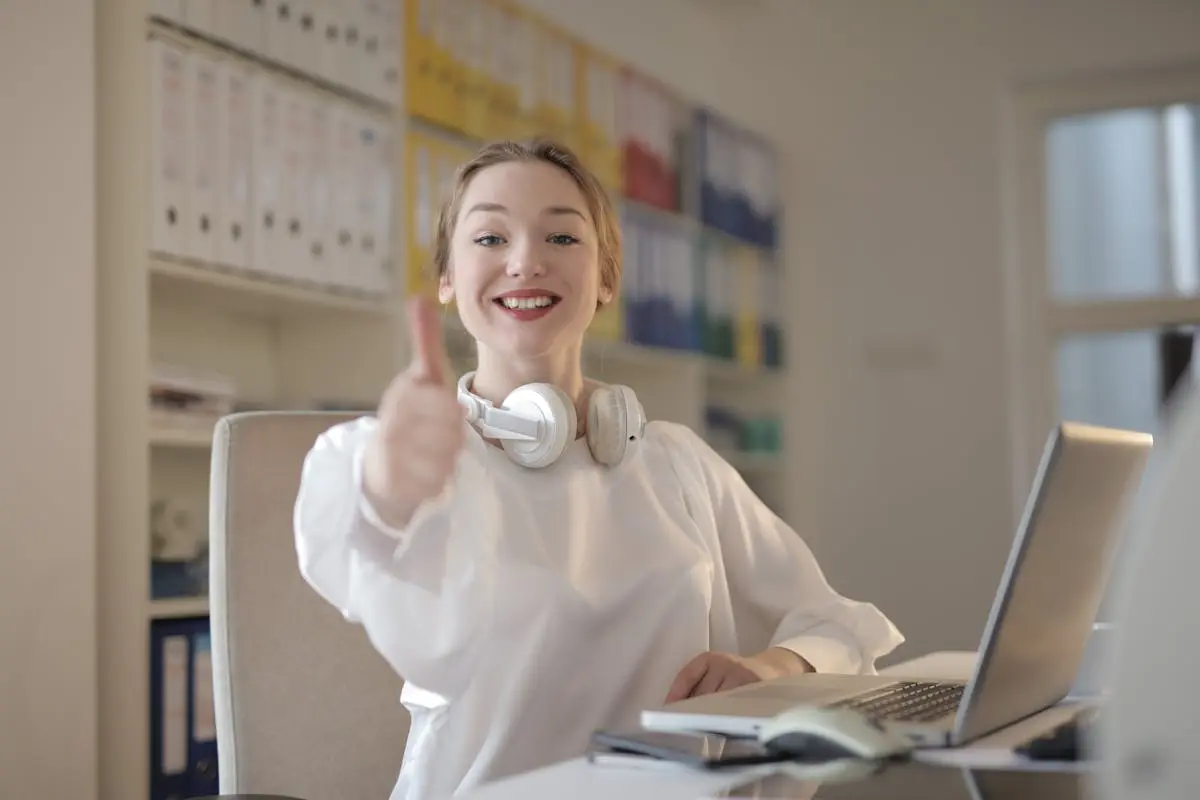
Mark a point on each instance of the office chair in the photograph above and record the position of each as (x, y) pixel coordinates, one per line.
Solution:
(305, 706)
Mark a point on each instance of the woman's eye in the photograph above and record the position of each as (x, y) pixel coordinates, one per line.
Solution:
(563, 239)
(489, 240)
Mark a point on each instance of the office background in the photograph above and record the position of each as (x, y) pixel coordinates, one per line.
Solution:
(921, 369)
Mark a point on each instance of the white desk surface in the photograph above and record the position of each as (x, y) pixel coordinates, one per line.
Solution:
(578, 780)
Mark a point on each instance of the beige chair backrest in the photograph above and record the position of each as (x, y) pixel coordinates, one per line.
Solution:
(304, 705)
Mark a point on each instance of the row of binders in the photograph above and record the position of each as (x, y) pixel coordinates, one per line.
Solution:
(490, 69)
(256, 172)
(692, 290)
(183, 735)
(353, 44)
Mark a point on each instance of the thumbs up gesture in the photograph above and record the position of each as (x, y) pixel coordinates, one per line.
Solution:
(412, 454)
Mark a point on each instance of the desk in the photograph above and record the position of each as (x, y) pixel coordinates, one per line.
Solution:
(578, 780)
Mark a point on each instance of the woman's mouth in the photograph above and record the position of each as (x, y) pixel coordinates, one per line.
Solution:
(527, 307)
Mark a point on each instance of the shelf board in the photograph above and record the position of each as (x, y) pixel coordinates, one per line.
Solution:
(729, 371)
(177, 607)
(195, 438)
(241, 291)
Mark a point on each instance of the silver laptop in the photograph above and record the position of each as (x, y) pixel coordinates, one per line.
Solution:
(1036, 632)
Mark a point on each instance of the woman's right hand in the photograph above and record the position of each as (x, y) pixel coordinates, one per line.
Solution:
(411, 456)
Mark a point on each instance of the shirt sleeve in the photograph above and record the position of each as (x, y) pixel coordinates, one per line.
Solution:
(779, 593)
(399, 584)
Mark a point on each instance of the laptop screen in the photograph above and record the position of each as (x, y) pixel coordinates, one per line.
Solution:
(1055, 576)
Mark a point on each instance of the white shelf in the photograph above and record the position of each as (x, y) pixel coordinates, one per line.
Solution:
(186, 438)
(178, 607)
(235, 290)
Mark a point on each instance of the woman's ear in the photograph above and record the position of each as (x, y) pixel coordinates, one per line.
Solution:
(445, 289)
(606, 295)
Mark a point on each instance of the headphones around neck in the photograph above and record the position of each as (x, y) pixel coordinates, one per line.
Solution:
(537, 422)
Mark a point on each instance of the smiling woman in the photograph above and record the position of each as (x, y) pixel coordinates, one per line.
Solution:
(535, 559)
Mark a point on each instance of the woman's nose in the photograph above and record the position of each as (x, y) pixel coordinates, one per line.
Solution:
(524, 262)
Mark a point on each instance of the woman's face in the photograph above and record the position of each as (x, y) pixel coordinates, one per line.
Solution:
(524, 266)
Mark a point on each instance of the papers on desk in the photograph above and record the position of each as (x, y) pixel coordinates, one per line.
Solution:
(999, 750)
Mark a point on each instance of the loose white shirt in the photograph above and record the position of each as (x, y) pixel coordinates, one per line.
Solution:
(525, 609)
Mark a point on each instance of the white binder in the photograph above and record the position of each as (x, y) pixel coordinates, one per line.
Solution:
(304, 47)
(344, 156)
(373, 211)
(292, 262)
(169, 135)
(200, 237)
(281, 31)
(235, 144)
(267, 160)
(318, 193)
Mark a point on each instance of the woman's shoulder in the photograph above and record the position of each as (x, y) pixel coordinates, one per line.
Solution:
(681, 444)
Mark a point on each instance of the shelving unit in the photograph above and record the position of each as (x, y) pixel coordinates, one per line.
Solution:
(290, 325)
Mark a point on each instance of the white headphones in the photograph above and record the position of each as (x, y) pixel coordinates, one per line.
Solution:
(537, 422)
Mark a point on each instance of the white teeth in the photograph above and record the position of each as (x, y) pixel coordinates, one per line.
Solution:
(526, 302)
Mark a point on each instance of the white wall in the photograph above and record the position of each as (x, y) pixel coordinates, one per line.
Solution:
(890, 114)
(47, 428)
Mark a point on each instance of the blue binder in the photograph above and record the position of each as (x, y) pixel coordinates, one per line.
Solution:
(183, 747)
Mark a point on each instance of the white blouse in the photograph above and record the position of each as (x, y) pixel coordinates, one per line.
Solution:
(525, 609)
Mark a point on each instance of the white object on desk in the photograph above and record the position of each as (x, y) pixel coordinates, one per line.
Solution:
(579, 780)
(1147, 734)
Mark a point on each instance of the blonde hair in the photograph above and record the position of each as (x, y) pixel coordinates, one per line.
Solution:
(608, 231)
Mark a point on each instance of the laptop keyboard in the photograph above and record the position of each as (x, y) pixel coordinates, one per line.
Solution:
(908, 701)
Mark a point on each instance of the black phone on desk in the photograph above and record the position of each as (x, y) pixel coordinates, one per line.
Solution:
(699, 750)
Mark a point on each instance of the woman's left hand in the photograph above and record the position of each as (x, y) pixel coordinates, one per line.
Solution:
(716, 672)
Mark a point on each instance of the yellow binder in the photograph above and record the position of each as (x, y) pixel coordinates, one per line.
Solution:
(420, 170)
(748, 336)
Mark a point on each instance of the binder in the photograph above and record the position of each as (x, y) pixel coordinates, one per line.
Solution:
(170, 657)
(203, 744)
(771, 285)
(282, 41)
(291, 262)
(170, 138)
(454, 63)
(748, 344)
(596, 93)
(351, 24)
(505, 80)
(527, 39)
(267, 239)
(234, 225)
(200, 234)
(183, 741)
(304, 45)
(632, 277)
(420, 171)
(387, 69)
(343, 165)
(372, 208)
(318, 194)
(421, 57)
(475, 53)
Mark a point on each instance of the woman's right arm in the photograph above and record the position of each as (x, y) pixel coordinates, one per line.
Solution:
(396, 582)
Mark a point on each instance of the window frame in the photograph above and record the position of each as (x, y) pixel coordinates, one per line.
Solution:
(1035, 321)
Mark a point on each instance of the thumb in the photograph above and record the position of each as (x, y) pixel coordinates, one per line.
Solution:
(430, 360)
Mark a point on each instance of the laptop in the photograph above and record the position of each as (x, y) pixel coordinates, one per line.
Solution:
(1036, 632)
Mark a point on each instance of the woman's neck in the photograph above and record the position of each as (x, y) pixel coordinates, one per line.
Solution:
(497, 376)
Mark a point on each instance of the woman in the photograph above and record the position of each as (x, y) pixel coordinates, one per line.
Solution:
(529, 596)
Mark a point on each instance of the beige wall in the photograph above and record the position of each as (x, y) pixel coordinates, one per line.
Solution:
(47, 428)
(890, 113)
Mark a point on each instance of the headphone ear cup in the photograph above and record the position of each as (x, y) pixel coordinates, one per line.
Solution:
(616, 422)
(557, 424)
